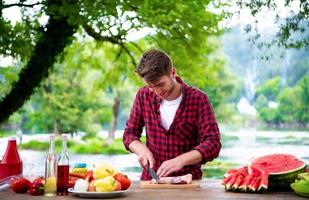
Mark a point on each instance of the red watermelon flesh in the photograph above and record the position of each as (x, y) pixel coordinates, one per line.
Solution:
(278, 163)
(227, 179)
(230, 172)
(242, 170)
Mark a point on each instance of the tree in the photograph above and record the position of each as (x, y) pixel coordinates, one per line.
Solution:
(293, 29)
(68, 100)
(191, 22)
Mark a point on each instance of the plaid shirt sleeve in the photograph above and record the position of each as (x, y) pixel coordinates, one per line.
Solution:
(135, 123)
(208, 131)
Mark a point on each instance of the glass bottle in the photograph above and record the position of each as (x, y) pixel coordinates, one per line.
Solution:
(63, 168)
(50, 169)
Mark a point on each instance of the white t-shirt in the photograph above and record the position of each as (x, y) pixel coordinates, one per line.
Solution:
(168, 111)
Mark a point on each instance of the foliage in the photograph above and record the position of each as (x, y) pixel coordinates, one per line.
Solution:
(293, 29)
(108, 22)
(293, 106)
(270, 89)
(52, 42)
(88, 146)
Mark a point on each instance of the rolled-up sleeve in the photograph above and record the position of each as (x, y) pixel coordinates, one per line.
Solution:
(135, 123)
(208, 131)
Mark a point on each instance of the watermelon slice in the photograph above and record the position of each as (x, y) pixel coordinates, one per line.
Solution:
(237, 182)
(245, 183)
(227, 179)
(228, 185)
(254, 185)
(282, 169)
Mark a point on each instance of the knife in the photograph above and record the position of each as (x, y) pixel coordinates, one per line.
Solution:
(153, 174)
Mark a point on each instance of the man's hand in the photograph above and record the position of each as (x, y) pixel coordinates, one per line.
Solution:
(176, 164)
(170, 166)
(145, 157)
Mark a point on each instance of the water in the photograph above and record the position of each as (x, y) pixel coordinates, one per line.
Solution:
(237, 147)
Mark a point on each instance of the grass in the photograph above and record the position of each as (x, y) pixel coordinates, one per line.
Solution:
(5, 134)
(217, 168)
(263, 139)
(88, 146)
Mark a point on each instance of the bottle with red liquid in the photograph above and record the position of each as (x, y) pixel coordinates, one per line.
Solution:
(11, 163)
(63, 168)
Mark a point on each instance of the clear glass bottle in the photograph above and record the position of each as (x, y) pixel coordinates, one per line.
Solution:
(50, 188)
(63, 168)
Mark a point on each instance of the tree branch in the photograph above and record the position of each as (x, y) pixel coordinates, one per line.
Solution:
(129, 54)
(4, 6)
(52, 43)
(97, 36)
(114, 40)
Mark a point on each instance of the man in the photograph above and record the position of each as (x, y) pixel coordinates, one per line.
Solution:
(181, 129)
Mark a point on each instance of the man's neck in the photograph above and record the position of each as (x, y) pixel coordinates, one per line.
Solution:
(176, 92)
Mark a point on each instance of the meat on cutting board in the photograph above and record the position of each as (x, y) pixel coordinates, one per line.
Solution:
(185, 179)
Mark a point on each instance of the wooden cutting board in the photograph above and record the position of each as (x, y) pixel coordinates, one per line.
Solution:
(148, 184)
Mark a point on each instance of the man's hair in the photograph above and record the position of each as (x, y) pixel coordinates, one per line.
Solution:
(154, 64)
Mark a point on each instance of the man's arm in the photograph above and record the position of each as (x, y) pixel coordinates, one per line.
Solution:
(133, 131)
(208, 132)
(135, 123)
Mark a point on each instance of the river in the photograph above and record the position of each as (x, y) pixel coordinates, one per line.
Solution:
(237, 147)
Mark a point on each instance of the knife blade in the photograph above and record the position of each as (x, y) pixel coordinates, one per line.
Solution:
(153, 174)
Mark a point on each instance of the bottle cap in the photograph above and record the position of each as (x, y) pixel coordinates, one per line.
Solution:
(80, 165)
(64, 136)
(52, 136)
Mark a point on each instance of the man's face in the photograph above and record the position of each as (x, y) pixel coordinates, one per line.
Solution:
(163, 87)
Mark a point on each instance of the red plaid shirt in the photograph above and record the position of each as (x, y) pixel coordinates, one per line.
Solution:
(194, 128)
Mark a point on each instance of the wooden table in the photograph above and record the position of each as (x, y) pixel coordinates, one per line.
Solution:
(210, 189)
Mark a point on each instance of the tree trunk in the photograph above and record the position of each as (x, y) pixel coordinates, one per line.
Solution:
(57, 127)
(113, 124)
(54, 39)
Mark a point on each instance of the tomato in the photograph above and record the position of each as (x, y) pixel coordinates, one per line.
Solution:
(123, 179)
(89, 175)
(39, 180)
(20, 185)
(36, 188)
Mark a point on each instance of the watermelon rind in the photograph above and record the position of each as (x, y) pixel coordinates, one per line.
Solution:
(283, 181)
